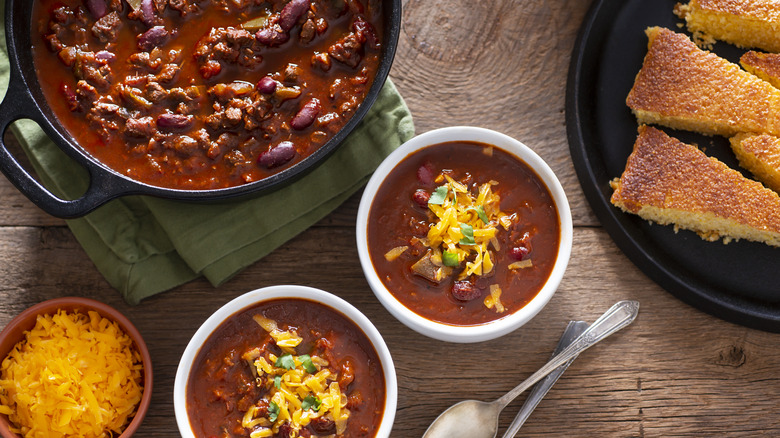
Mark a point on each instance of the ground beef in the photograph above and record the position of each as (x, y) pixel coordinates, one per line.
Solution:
(107, 28)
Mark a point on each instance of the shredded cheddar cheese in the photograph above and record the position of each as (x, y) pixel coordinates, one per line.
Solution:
(300, 388)
(463, 233)
(494, 299)
(73, 375)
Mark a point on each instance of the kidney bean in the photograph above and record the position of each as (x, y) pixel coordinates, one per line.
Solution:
(306, 115)
(291, 12)
(266, 85)
(323, 426)
(366, 32)
(421, 197)
(97, 8)
(277, 155)
(272, 36)
(148, 16)
(154, 37)
(425, 174)
(173, 121)
(519, 252)
(105, 56)
(465, 291)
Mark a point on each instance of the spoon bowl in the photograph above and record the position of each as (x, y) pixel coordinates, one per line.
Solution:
(469, 418)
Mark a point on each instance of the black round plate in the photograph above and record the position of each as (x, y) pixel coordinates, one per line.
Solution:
(738, 282)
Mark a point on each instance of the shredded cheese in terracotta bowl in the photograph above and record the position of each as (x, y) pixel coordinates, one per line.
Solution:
(73, 367)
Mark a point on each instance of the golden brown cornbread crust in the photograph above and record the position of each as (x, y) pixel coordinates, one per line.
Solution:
(744, 23)
(760, 154)
(684, 87)
(764, 65)
(670, 182)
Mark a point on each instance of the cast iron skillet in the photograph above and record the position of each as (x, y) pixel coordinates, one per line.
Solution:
(24, 100)
(736, 282)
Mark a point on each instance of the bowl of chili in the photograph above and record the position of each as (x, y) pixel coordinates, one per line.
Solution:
(73, 366)
(464, 234)
(286, 361)
(191, 100)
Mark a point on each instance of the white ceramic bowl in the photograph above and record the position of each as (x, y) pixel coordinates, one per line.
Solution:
(250, 299)
(492, 329)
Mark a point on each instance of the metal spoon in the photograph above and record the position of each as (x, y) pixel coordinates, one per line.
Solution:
(477, 419)
(574, 329)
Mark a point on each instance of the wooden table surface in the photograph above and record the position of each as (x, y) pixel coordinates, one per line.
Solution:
(500, 64)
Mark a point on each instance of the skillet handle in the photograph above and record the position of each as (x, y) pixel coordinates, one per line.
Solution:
(18, 104)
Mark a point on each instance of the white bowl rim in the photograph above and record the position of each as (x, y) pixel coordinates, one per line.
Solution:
(258, 296)
(492, 329)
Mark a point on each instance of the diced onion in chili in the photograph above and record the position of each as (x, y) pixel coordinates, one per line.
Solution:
(395, 253)
(522, 264)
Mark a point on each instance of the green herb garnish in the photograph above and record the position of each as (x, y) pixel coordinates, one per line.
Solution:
(273, 412)
(278, 381)
(285, 361)
(439, 195)
(449, 258)
(481, 213)
(307, 364)
(311, 402)
(468, 235)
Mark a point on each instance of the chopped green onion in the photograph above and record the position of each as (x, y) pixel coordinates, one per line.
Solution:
(468, 235)
(449, 258)
(439, 195)
(311, 402)
(285, 361)
(273, 412)
(307, 364)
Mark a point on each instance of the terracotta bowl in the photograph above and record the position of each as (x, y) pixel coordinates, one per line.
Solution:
(14, 332)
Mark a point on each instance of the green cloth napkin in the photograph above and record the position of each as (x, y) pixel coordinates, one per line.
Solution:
(145, 245)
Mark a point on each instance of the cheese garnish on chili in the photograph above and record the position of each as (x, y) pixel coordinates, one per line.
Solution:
(300, 388)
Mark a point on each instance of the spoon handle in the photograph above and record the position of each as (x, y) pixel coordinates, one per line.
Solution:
(574, 329)
(614, 319)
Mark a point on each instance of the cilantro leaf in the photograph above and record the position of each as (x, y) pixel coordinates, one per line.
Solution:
(449, 258)
(285, 361)
(439, 195)
(273, 412)
(468, 235)
(278, 381)
(307, 364)
(481, 213)
(311, 402)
